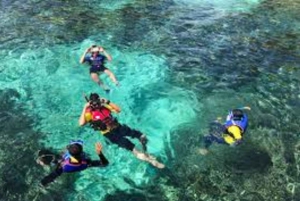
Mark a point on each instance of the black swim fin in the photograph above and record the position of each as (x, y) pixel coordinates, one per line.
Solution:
(144, 141)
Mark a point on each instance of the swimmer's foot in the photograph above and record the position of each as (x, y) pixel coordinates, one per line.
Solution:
(157, 164)
(106, 88)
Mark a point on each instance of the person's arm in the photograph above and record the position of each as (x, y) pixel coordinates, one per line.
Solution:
(101, 49)
(82, 120)
(83, 56)
(99, 163)
(52, 176)
(113, 107)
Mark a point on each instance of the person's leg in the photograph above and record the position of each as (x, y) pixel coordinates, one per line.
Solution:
(111, 76)
(206, 141)
(95, 78)
(127, 131)
(117, 138)
(148, 158)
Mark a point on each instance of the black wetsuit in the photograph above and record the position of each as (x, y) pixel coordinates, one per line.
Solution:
(119, 134)
(59, 170)
(216, 130)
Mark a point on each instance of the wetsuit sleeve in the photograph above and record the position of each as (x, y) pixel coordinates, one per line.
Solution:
(52, 176)
(112, 107)
(99, 163)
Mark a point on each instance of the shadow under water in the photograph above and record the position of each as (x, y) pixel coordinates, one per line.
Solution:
(20, 174)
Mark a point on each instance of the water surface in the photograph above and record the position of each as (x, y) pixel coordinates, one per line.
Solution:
(181, 64)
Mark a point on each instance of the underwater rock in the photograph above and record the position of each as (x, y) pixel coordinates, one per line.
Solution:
(252, 196)
(20, 173)
(243, 161)
(52, 66)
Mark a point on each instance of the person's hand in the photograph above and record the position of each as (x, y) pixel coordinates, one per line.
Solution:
(103, 100)
(202, 151)
(219, 119)
(87, 50)
(101, 49)
(98, 147)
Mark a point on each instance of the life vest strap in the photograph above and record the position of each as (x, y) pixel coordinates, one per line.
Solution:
(111, 128)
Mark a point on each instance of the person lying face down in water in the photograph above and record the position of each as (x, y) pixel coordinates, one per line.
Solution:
(96, 56)
(98, 113)
(74, 159)
(230, 133)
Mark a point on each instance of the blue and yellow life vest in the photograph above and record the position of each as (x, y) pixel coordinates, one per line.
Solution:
(71, 164)
(235, 127)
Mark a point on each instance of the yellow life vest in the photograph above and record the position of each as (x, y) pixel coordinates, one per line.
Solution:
(235, 134)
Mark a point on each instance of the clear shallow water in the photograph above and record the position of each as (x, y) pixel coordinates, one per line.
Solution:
(56, 105)
(180, 65)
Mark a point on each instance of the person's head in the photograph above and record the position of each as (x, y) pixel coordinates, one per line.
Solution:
(237, 114)
(233, 136)
(95, 101)
(75, 148)
(94, 49)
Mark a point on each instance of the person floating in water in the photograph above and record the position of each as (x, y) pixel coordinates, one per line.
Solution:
(73, 160)
(96, 60)
(98, 113)
(231, 132)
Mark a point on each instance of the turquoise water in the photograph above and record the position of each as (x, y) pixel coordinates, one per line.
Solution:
(180, 65)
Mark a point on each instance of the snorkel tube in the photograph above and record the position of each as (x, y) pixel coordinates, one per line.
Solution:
(244, 108)
(102, 101)
(85, 97)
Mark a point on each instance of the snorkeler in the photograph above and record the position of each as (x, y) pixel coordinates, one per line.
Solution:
(96, 60)
(73, 160)
(231, 132)
(98, 113)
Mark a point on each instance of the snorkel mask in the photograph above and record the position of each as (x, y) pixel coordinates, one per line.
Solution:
(94, 49)
(95, 101)
(75, 149)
